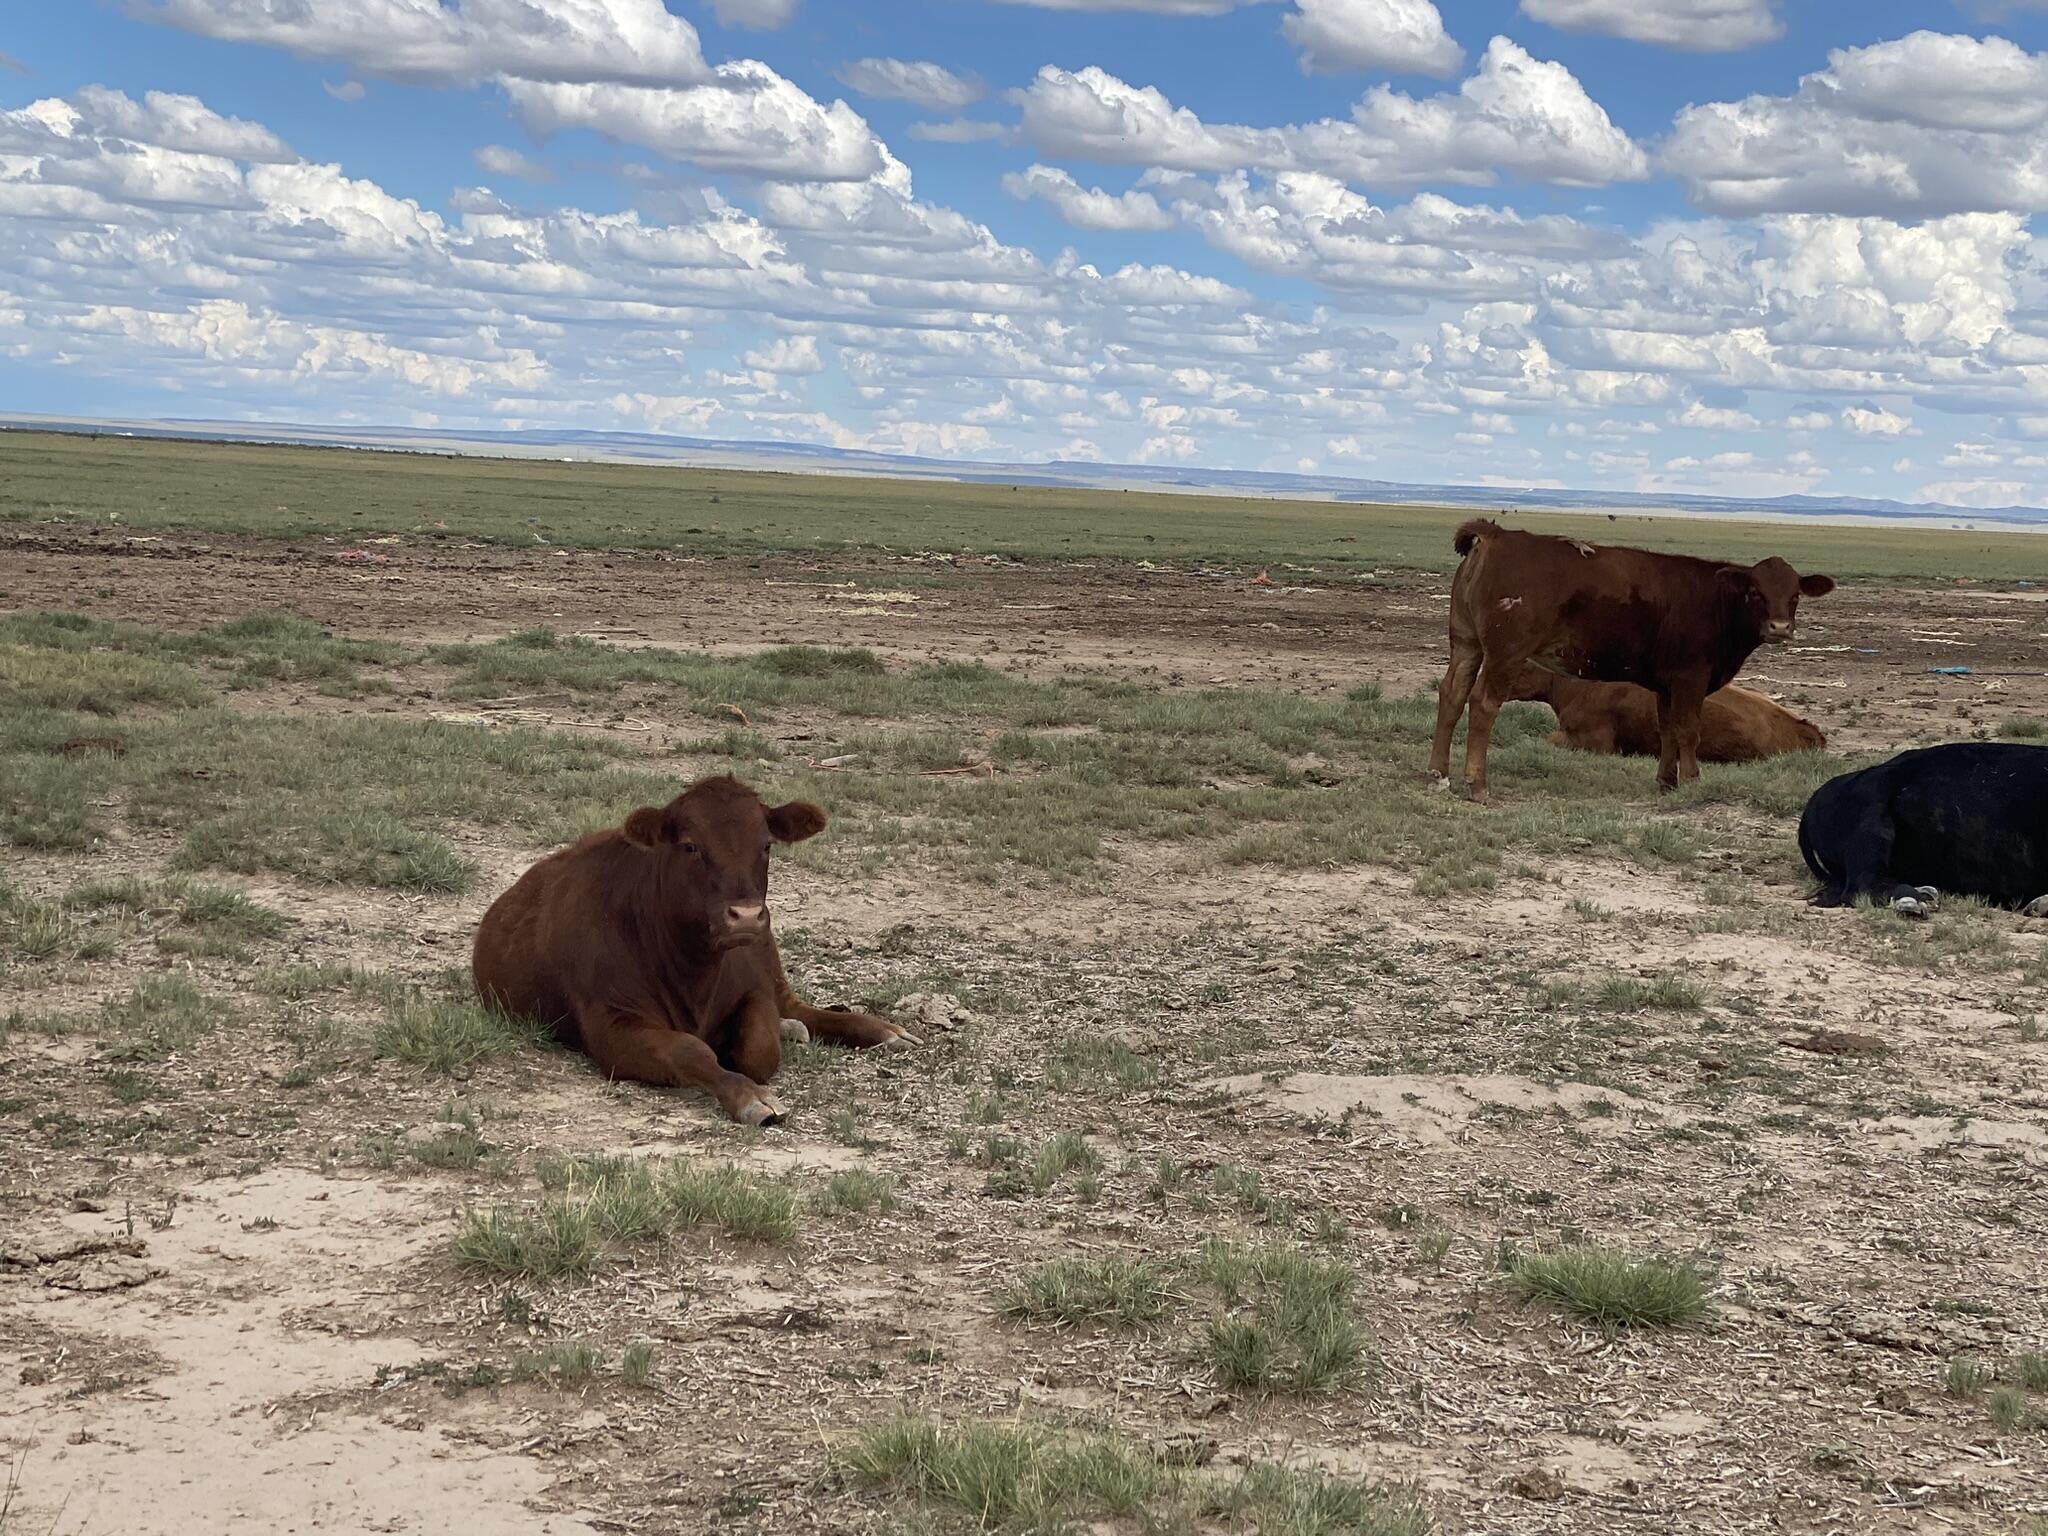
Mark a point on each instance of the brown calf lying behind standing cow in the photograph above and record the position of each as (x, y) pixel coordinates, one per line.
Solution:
(1620, 720)
(1678, 626)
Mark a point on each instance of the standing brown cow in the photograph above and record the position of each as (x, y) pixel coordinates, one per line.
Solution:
(648, 948)
(1620, 719)
(1677, 626)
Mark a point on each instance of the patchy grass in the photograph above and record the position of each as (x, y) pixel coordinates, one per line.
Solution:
(1009, 1477)
(856, 1192)
(1665, 992)
(1965, 1377)
(742, 1205)
(1028, 1478)
(553, 1240)
(566, 1363)
(1963, 932)
(33, 930)
(1096, 1065)
(247, 652)
(193, 917)
(449, 1035)
(2024, 728)
(1612, 1287)
(600, 1204)
(1284, 1501)
(2008, 1408)
(636, 1363)
(1060, 1156)
(1082, 764)
(1289, 1325)
(161, 1017)
(1123, 1292)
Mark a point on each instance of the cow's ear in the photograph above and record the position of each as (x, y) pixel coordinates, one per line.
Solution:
(794, 822)
(1816, 586)
(646, 827)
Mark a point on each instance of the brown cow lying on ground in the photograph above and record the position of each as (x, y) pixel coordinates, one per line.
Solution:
(1677, 626)
(1620, 719)
(648, 948)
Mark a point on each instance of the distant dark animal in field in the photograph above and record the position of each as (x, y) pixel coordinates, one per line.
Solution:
(1677, 626)
(1969, 819)
(1620, 719)
(648, 948)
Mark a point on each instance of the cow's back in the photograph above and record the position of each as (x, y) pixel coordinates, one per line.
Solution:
(1973, 816)
(523, 960)
(1589, 611)
(1741, 726)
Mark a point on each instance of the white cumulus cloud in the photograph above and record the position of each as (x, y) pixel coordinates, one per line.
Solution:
(931, 86)
(1516, 114)
(1698, 26)
(750, 119)
(1866, 422)
(1921, 126)
(1088, 207)
(1402, 36)
(636, 42)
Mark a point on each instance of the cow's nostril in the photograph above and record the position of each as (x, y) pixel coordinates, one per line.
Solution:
(745, 914)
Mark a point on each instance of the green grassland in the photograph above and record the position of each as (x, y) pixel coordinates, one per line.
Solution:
(289, 492)
(103, 722)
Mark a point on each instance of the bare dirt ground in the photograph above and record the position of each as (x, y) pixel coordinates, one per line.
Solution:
(1863, 652)
(226, 1296)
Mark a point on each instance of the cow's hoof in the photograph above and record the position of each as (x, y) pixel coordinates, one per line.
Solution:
(1475, 793)
(1911, 906)
(795, 1032)
(2038, 907)
(762, 1109)
(898, 1039)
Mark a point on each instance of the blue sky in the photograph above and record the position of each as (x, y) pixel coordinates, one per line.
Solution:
(1724, 246)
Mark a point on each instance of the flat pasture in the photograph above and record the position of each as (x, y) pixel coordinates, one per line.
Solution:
(1291, 1148)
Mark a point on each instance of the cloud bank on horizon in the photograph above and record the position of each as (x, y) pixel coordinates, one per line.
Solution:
(1732, 247)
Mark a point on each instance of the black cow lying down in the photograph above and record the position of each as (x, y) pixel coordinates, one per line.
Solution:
(1970, 819)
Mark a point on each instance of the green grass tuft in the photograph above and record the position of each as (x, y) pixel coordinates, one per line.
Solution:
(1290, 1326)
(857, 1191)
(1126, 1292)
(1612, 1287)
(448, 1035)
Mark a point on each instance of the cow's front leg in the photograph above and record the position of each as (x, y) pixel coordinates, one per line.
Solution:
(841, 1026)
(757, 1038)
(1678, 727)
(646, 1050)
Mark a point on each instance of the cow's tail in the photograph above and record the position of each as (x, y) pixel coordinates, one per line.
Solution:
(1471, 533)
(1811, 854)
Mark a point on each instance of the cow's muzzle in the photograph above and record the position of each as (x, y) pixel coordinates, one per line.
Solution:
(745, 923)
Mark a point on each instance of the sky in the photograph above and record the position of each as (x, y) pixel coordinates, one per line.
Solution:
(1730, 247)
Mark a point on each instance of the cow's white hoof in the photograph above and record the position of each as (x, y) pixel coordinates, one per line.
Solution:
(1911, 906)
(795, 1032)
(763, 1109)
(2038, 907)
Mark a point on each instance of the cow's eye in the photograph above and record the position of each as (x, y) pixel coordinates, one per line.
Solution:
(689, 847)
